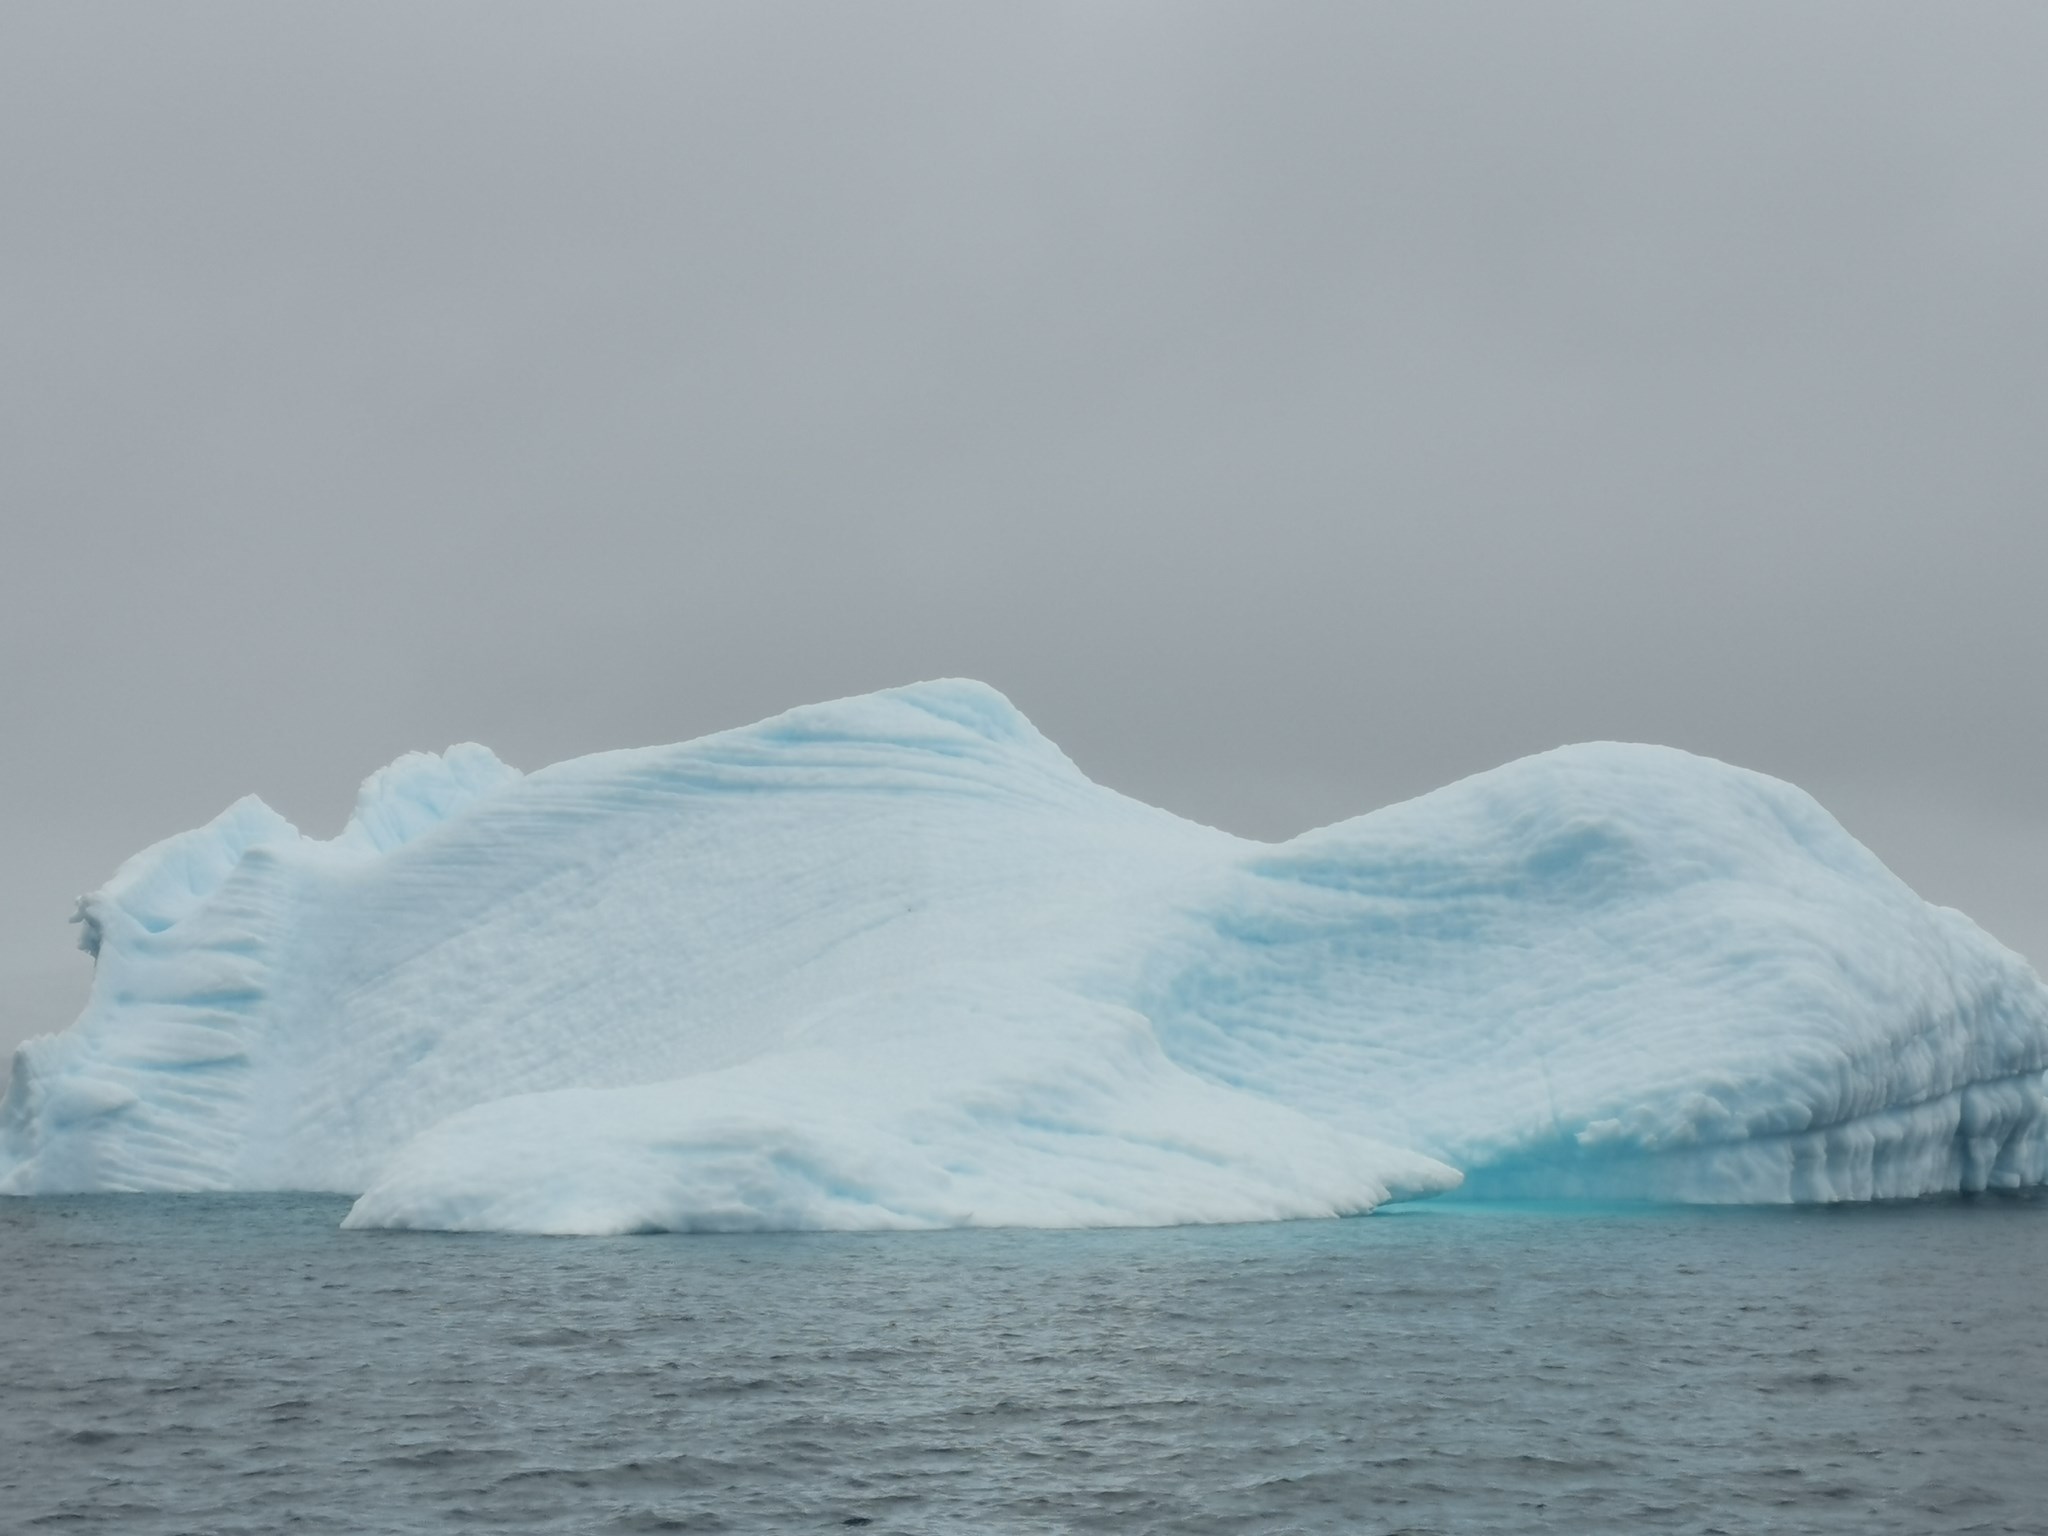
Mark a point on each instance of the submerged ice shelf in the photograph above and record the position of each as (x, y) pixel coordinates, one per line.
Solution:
(895, 962)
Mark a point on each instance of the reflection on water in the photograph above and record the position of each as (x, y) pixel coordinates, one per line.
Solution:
(236, 1364)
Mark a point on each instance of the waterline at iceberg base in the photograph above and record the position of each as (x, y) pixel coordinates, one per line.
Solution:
(894, 962)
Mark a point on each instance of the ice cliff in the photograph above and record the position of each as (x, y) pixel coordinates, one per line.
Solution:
(895, 962)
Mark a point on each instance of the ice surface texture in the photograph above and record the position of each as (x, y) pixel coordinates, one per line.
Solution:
(895, 962)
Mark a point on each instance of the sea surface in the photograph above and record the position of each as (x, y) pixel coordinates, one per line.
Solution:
(236, 1364)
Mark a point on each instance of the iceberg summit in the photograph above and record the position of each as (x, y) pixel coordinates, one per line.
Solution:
(895, 962)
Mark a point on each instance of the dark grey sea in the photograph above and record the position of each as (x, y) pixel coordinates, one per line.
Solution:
(236, 1364)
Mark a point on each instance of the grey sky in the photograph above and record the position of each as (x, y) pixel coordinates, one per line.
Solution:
(1292, 407)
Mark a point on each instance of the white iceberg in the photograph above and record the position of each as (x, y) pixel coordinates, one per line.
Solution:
(895, 962)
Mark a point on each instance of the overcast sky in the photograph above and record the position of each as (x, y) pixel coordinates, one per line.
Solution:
(1291, 406)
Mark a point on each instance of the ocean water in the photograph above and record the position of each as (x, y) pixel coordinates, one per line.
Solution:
(236, 1364)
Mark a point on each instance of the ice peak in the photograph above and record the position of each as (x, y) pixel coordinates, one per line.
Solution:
(421, 790)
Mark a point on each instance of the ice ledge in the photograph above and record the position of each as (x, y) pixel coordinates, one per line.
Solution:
(1990, 1136)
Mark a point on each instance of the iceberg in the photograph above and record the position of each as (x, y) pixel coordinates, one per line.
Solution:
(895, 962)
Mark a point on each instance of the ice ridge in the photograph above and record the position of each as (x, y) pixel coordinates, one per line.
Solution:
(894, 961)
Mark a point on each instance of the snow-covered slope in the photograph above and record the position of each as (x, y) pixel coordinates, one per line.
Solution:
(894, 961)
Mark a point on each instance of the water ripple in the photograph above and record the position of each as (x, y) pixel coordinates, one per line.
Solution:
(236, 1364)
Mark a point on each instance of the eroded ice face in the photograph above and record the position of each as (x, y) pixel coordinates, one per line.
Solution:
(894, 961)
